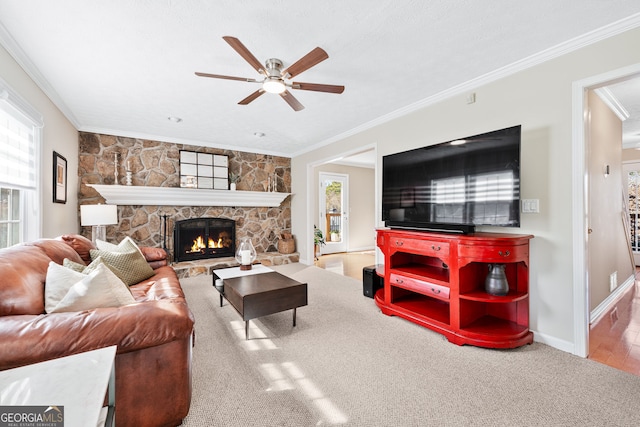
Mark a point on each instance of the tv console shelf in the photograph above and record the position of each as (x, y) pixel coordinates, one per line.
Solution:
(437, 280)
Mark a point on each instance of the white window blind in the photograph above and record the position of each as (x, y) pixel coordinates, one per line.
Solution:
(20, 141)
(17, 149)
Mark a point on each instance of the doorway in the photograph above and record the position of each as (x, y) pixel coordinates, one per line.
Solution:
(334, 211)
(362, 163)
(581, 196)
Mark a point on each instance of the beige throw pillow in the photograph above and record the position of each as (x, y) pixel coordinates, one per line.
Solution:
(125, 260)
(124, 246)
(86, 269)
(67, 290)
(81, 268)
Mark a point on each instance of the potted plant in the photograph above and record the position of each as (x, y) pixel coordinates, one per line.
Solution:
(318, 241)
(233, 179)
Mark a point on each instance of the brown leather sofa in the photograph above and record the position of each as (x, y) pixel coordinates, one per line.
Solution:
(154, 336)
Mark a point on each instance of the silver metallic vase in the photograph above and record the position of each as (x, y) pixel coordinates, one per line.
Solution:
(496, 281)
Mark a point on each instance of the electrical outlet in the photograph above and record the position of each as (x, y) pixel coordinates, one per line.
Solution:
(613, 281)
(471, 98)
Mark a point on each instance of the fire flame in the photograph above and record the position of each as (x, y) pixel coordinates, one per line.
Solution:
(198, 244)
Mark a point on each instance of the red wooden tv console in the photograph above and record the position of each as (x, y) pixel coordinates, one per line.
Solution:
(437, 281)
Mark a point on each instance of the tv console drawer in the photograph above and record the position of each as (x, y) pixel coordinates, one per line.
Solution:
(512, 253)
(420, 286)
(423, 247)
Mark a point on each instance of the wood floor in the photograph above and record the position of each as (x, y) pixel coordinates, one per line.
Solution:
(347, 263)
(614, 340)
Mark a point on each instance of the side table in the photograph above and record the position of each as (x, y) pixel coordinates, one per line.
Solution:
(77, 382)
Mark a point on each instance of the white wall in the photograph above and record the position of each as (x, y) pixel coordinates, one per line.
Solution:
(608, 250)
(540, 99)
(58, 135)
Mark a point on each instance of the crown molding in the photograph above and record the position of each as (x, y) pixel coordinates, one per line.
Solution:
(612, 102)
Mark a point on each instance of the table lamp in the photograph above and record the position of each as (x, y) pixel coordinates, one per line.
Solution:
(98, 216)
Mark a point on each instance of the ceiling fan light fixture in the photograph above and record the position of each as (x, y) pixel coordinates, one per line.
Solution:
(276, 79)
(273, 85)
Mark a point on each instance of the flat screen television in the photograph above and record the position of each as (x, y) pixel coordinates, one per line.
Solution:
(455, 186)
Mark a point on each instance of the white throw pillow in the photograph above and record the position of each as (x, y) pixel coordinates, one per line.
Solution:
(68, 290)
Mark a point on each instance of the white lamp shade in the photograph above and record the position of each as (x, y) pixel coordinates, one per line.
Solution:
(98, 214)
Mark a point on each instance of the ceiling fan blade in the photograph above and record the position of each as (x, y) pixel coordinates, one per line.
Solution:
(317, 87)
(312, 58)
(251, 97)
(219, 76)
(244, 52)
(292, 101)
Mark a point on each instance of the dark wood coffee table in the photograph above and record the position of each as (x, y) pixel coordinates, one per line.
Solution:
(260, 293)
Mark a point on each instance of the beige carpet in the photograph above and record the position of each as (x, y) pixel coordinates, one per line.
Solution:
(345, 363)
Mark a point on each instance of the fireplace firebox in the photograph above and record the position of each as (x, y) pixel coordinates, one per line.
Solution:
(202, 238)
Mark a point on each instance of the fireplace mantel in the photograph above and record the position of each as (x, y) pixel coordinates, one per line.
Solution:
(177, 196)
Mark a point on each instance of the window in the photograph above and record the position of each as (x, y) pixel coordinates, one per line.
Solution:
(10, 224)
(19, 169)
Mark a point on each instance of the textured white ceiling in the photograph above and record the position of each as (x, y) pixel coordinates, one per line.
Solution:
(123, 67)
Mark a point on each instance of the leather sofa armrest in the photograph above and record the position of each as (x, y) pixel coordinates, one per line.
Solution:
(30, 339)
(80, 244)
(156, 257)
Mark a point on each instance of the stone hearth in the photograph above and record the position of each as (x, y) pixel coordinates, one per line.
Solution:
(206, 266)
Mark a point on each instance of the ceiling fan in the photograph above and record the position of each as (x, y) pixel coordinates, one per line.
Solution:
(275, 79)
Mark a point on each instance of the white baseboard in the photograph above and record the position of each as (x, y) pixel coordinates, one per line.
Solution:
(554, 342)
(363, 249)
(611, 300)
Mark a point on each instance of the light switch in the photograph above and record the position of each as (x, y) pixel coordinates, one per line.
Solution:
(530, 206)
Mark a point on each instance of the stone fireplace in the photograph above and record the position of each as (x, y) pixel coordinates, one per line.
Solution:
(204, 238)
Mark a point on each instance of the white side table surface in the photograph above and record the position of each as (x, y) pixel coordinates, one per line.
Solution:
(78, 382)
(232, 272)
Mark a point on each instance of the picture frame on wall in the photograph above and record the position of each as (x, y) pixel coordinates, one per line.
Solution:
(59, 178)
